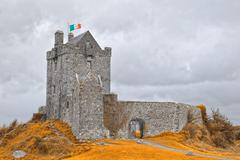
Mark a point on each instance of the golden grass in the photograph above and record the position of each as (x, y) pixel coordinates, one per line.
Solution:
(52, 140)
(42, 140)
(178, 140)
(130, 150)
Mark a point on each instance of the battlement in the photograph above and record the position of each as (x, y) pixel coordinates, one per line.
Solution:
(83, 44)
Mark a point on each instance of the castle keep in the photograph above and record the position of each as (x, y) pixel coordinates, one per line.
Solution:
(78, 92)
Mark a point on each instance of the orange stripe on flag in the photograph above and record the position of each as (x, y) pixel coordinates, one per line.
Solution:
(78, 26)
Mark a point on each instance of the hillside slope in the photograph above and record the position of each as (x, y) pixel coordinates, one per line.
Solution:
(40, 140)
(54, 140)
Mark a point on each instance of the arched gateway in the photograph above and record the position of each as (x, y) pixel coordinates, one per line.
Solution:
(136, 128)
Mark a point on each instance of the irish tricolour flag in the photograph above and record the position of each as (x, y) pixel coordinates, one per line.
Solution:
(72, 27)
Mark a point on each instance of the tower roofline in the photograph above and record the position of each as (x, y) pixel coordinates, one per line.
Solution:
(76, 40)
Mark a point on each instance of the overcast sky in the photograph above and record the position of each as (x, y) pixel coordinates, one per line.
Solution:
(163, 50)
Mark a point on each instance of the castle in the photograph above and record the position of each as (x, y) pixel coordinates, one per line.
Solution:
(78, 92)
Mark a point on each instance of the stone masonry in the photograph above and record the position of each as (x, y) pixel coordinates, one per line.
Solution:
(158, 117)
(78, 74)
(78, 92)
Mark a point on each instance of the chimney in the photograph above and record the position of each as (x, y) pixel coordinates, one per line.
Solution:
(58, 38)
(70, 36)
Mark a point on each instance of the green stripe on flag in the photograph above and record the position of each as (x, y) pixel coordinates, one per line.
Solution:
(71, 27)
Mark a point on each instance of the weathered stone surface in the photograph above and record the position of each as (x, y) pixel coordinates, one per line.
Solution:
(78, 92)
(158, 117)
(42, 109)
(78, 73)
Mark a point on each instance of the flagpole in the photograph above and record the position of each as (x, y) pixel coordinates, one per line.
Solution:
(68, 28)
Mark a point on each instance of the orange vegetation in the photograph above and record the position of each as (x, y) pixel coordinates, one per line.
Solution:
(41, 140)
(54, 140)
(130, 150)
(126, 149)
(179, 141)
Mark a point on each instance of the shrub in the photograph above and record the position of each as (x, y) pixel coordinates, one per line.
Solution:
(237, 132)
(197, 133)
(12, 125)
(203, 112)
(37, 117)
(217, 130)
(221, 129)
(4, 130)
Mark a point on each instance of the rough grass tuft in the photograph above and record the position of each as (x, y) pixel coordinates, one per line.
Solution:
(221, 129)
(216, 130)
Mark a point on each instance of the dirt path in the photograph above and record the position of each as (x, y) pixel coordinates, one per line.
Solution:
(186, 152)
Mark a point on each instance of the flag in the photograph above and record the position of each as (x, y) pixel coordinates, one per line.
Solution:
(74, 26)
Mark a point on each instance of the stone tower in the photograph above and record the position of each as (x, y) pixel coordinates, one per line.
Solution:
(78, 74)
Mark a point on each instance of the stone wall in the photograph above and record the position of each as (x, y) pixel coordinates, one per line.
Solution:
(42, 109)
(67, 65)
(90, 109)
(157, 116)
(114, 114)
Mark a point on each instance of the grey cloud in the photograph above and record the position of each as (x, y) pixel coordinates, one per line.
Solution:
(167, 50)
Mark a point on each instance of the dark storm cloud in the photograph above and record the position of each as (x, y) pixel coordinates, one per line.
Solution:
(168, 50)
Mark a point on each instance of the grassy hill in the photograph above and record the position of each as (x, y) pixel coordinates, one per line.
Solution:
(53, 139)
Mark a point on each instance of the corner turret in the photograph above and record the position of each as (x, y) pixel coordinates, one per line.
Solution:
(58, 38)
(70, 36)
(108, 51)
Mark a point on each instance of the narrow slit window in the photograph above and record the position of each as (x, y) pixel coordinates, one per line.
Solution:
(54, 89)
(67, 105)
(89, 63)
(55, 65)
